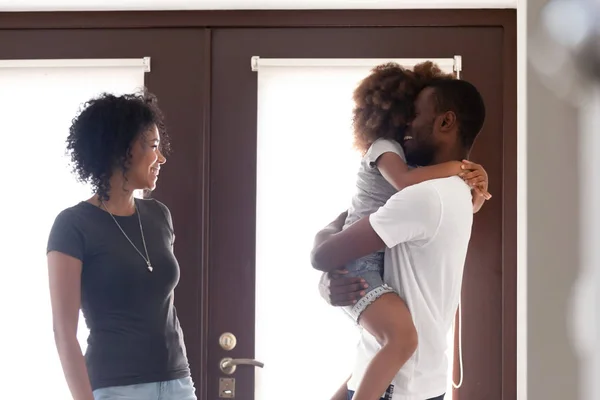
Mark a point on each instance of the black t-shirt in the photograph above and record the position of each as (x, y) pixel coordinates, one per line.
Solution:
(135, 335)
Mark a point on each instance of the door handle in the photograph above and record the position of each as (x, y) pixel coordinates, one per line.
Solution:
(228, 365)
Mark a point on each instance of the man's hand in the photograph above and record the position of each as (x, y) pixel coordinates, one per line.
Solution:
(476, 177)
(338, 223)
(339, 290)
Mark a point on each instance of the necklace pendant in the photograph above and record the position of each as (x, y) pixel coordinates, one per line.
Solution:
(149, 266)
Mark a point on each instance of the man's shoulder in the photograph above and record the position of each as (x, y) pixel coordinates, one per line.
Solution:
(450, 187)
(455, 198)
(427, 190)
(432, 193)
(435, 193)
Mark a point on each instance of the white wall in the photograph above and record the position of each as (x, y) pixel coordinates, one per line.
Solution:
(72, 5)
(561, 224)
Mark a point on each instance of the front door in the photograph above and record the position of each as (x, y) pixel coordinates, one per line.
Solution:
(282, 167)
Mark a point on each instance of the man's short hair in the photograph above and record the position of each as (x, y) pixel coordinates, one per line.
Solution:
(465, 101)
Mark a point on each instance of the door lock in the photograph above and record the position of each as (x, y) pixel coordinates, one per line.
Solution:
(226, 388)
(227, 341)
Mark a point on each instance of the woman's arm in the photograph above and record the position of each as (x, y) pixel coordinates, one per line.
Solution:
(64, 274)
(397, 173)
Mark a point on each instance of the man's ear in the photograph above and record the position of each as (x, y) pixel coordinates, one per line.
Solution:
(448, 122)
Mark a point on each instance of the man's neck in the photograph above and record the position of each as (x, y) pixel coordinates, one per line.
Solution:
(449, 155)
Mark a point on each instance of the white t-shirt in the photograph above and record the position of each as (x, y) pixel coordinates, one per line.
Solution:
(427, 228)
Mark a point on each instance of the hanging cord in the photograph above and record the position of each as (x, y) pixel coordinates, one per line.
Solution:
(460, 357)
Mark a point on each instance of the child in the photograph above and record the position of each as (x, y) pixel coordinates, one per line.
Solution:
(383, 106)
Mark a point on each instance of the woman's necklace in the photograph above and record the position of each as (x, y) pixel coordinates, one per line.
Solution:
(147, 258)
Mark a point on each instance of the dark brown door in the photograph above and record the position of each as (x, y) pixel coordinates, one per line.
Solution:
(233, 228)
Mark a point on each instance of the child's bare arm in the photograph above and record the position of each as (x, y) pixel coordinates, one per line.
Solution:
(476, 177)
(397, 173)
(478, 201)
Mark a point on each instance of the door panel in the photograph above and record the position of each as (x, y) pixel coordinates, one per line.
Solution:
(233, 186)
(177, 77)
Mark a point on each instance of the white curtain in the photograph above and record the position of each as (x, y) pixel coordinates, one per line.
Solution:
(306, 176)
(37, 106)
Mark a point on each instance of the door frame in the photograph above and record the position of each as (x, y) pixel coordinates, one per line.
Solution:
(503, 18)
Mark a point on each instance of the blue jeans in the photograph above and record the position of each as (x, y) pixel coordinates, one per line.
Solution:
(369, 268)
(178, 389)
(351, 394)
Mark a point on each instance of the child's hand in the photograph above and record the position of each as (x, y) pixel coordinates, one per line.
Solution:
(476, 177)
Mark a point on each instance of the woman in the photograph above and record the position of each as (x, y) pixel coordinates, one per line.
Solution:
(112, 256)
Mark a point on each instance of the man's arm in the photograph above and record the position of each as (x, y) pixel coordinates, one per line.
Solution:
(332, 228)
(411, 214)
(335, 248)
(337, 289)
(342, 392)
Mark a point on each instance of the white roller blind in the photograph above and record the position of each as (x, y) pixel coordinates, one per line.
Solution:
(448, 65)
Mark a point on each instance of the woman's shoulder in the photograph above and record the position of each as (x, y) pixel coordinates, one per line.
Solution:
(152, 203)
(157, 207)
(69, 230)
(75, 212)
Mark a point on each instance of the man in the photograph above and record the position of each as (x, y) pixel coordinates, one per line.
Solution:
(426, 229)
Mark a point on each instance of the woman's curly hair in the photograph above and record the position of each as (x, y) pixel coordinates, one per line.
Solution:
(102, 134)
(384, 101)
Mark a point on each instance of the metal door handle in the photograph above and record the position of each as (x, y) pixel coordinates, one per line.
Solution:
(228, 365)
